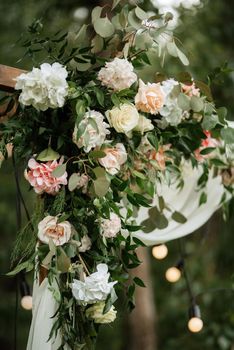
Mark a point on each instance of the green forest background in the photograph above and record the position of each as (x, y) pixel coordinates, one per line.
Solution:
(207, 35)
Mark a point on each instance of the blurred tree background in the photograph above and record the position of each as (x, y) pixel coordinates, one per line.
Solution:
(207, 35)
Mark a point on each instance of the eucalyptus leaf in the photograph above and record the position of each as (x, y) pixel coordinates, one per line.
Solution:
(178, 217)
(104, 27)
(96, 13)
(209, 121)
(63, 261)
(197, 104)
(114, 4)
(228, 135)
(73, 181)
(60, 170)
(26, 265)
(48, 155)
(141, 14)
(183, 102)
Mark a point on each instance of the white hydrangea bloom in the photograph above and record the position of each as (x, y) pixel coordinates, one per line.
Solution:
(44, 87)
(95, 131)
(94, 288)
(117, 74)
(110, 227)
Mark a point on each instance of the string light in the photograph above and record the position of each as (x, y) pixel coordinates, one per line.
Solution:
(195, 323)
(173, 274)
(26, 298)
(160, 251)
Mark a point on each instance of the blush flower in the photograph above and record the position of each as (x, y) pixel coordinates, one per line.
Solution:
(117, 74)
(44, 87)
(115, 157)
(110, 227)
(150, 97)
(50, 228)
(190, 90)
(85, 244)
(94, 288)
(41, 179)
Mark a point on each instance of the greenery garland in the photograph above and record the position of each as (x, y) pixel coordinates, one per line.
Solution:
(95, 140)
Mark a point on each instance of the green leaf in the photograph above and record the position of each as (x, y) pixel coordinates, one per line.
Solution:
(96, 13)
(205, 89)
(97, 154)
(114, 4)
(155, 220)
(178, 217)
(182, 57)
(26, 265)
(97, 44)
(183, 102)
(209, 121)
(80, 108)
(228, 135)
(63, 261)
(60, 170)
(141, 14)
(153, 140)
(101, 186)
(222, 113)
(138, 174)
(139, 282)
(197, 104)
(161, 203)
(203, 198)
(48, 155)
(207, 150)
(104, 27)
(73, 181)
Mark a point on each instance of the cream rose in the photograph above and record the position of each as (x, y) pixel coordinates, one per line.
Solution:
(49, 228)
(115, 157)
(144, 124)
(95, 313)
(123, 118)
(150, 97)
(85, 244)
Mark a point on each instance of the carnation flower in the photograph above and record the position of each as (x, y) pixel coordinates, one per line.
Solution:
(95, 131)
(94, 288)
(115, 157)
(150, 97)
(50, 228)
(85, 244)
(117, 74)
(95, 312)
(41, 179)
(110, 227)
(144, 124)
(44, 87)
(123, 118)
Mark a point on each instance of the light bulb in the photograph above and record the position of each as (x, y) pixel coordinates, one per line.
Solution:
(26, 302)
(195, 324)
(173, 274)
(160, 251)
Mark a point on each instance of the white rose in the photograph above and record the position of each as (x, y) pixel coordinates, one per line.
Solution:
(85, 244)
(49, 228)
(95, 287)
(110, 227)
(95, 131)
(144, 124)
(123, 118)
(44, 87)
(117, 74)
(95, 312)
(115, 157)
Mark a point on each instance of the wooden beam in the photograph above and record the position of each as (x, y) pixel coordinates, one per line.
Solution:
(7, 76)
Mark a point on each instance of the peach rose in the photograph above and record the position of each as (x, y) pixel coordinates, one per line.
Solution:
(115, 157)
(150, 97)
(41, 179)
(49, 228)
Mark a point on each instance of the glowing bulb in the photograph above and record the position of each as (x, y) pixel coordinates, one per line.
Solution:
(160, 251)
(26, 302)
(195, 324)
(173, 274)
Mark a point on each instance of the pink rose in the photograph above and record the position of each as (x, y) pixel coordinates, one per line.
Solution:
(41, 179)
(110, 227)
(150, 97)
(115, 157)
(190, 90)
(49, 228)
(208, 142)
